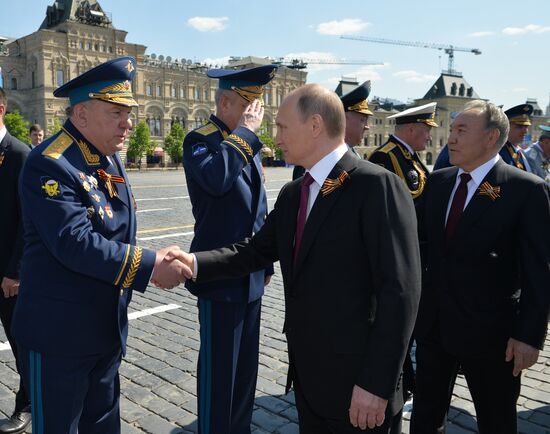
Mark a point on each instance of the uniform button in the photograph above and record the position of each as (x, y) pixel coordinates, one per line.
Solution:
(121, 292)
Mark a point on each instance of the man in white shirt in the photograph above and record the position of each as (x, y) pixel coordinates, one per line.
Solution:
(484, 223)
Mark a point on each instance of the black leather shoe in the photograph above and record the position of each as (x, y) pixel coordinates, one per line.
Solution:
(17, 423)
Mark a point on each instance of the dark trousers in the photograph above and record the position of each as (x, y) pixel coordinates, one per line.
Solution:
(73, 395)
(494, 389)
(313, 423)
(7, 306)
(227, 366)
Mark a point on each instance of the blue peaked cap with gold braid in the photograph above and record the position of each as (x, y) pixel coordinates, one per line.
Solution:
(109, 82)
(248, 83)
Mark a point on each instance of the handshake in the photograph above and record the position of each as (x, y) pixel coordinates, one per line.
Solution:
(172, 267)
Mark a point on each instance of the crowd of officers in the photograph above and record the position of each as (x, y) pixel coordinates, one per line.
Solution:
(468, 234)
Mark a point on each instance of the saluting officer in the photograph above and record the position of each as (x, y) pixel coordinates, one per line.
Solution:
(520, 121)
(80, 261)
(223, 169)
(356, 106)
(399, 155)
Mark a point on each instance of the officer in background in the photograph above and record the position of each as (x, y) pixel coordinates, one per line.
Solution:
(13, 154)
(80, 261)
(400, 156)
(222, 166)
(356, 106)
(538, 155)
(520, 121)
(37, 135)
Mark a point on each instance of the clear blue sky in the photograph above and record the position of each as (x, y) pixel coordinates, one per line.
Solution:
(513, 37)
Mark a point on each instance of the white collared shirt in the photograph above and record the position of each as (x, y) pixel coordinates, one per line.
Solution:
(478, 174)
(3, 132)
(321, 170)
(411, 150)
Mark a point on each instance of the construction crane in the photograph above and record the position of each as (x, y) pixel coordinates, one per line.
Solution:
(449, 49)
(301, 63)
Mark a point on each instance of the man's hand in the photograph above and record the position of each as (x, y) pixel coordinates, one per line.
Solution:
(169, 272)
(524, 355)
(186, 259)
(252, 116)
(10, 287)
(366, 409)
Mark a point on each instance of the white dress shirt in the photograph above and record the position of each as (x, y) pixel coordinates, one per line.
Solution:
(478, 174)
(321, 170)
(3, 132)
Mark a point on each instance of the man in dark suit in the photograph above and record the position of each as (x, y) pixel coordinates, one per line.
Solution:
(484, 222)
(13, 154)
(224, 178)
(520, 121)
(350, 266)
(356, 106)
(80, 261)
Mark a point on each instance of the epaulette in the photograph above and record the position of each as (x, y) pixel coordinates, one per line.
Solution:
(58, 146)
(386, 148)
(207, 129)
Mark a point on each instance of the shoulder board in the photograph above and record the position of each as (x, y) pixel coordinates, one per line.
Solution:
(207, 129)
(386, 148)
(58, 146)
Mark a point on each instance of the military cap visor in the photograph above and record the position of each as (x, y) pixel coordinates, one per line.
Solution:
(248, 83)
(109, 82)
(422, 114)
(520, 114)
(356, 99)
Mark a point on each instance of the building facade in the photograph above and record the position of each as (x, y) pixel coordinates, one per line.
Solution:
(77, 35)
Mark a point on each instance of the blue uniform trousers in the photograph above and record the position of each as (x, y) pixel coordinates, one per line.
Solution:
(227, 366)
(71, 395)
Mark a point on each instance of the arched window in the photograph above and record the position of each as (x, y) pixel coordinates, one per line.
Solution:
(462, 89)
(453, 89)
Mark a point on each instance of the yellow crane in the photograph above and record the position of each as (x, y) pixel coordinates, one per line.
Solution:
(448, 49)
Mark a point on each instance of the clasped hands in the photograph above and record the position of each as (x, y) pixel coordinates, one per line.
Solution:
(172, 267)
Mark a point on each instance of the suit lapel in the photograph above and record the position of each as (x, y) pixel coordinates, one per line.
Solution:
(441, 194)
(479, 204)
(322, 207)
(288, 215)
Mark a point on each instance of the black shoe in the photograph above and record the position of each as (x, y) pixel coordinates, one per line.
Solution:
(19, 421)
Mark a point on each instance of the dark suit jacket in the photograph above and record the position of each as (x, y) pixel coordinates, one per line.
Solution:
(351, 300)
(14, 154)
(499, 246)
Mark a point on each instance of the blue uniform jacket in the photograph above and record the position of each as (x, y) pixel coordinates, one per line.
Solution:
(224, 179)
(512, 156)
(80, 262)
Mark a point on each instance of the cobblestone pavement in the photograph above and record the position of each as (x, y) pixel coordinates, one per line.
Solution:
(158, 373)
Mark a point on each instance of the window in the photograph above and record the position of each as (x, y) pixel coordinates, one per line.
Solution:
(197, 94)
(110, 49)
(182, 92)
(14, 83)
(206, 94)
(81, 45)
(33, 79)
(158, 90)
(96, 47)
(148, 90)
(102, 48)
(60, 77)
(453, 89)
(173, 91)
(88, 45)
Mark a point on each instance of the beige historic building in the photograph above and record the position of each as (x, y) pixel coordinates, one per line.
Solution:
(78, 34)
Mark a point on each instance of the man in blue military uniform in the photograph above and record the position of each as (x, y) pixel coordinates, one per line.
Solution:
(223, 170)
(538, 155)
(520, 121)
(356, 106)
(80, 262)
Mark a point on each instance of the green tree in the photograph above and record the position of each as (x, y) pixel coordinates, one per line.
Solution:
(173, 143)
(17, 126)
(267, 139)
(140, 143)
(52, 129)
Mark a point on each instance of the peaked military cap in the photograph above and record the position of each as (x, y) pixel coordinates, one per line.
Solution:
(356, 100)
(248, 83)
(519, 114)
(109, 81)
(545, 131)
(424, 114)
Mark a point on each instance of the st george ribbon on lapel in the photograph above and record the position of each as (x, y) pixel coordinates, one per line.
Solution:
(302, 213)
(457, 205)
